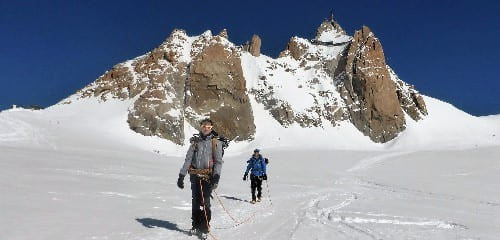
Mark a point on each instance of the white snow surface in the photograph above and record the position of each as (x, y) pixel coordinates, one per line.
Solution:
(76, 171)
(119, 192)
(333, 36)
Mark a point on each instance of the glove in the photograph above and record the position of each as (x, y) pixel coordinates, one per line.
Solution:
(214, 182)
(180, 181)
(245, 177)
(264, 177)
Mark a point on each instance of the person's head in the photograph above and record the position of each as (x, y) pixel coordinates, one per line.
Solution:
(256, 152)
(206, 126)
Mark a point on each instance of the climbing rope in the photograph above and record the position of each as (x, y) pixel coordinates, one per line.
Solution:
(237, 223)
(205, 211)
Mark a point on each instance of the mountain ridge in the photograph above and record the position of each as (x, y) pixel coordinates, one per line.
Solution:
(338, 78)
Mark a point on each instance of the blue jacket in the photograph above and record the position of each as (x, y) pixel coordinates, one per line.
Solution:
(257, 166)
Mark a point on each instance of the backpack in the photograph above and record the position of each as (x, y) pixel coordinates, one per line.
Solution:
(225, 142)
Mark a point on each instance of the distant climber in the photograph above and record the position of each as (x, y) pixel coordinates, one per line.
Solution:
(257, 168)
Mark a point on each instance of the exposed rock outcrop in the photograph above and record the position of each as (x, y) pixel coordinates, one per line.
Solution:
(369, 91)
(311, 68)
(409, 98)
(218, 88)
(295, 48)
(254, 48)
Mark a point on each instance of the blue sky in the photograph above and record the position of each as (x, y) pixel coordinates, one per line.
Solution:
(50, 49)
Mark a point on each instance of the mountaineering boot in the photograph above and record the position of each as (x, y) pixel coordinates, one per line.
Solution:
(193, 232)
(252, 202)
(203, 236)
(258, 200)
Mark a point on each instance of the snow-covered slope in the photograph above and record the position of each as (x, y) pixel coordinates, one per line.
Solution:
(126, 193)
(84, 124)
(448, 127)
(91, 124)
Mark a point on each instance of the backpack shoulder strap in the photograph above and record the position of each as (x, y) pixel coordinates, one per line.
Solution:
(214, 148)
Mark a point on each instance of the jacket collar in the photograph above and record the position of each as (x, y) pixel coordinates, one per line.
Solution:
(209, 136)
(260, 157)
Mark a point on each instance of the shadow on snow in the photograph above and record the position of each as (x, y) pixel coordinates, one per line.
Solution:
(152, 223)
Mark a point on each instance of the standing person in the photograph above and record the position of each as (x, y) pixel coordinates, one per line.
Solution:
(257, 167)
(203, 162)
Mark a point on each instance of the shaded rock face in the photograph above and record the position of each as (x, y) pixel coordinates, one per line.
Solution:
(159, 109)
(217, 87)
(369, 91)
(409, 98)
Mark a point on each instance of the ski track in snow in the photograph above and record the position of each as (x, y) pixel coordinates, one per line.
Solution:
(368, 162)
(114, 176)
(345, 206)
(349, 223)
(424, 194)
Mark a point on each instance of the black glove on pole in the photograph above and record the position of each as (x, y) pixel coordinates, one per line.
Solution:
(264, 177)
(180, 181)
(245, 177)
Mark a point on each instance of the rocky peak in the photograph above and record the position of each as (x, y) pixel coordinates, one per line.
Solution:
(223, 34)
(295, 48)
(183, 80)
(254, 47)
(314, 83)
(369, 91)
(328, 31)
